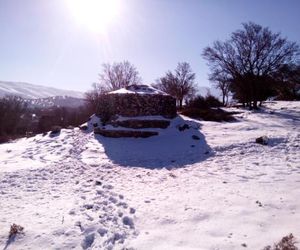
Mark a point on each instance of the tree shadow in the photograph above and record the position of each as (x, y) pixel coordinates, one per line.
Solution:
(284, 113)
(9, 241)
(180, 144)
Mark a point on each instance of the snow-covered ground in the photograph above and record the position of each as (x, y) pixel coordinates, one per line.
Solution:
(223, 191)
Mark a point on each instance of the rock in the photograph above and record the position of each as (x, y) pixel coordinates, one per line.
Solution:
(98, 183)
(88, 206)
(263, 140)
(132, 210)
(55, 130)
(195, 137)
(183, 127)
(83, 127)
(259, 203)
(128, 221)
(88, 241)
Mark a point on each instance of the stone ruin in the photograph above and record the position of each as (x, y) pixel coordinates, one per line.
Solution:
(134, 102)
(139, 100)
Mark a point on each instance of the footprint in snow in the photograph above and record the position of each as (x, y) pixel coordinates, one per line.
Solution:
(107, 215)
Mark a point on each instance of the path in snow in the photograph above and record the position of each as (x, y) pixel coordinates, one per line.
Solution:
(65, 202)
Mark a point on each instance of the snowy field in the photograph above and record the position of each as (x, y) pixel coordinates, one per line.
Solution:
(220, 190)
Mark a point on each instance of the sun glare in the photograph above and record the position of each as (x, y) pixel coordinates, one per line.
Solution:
(97, 15)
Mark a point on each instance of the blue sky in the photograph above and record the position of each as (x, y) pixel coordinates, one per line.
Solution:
(42, 43)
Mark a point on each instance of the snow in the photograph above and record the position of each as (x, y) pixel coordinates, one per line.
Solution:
(81, 191)
(139, 89)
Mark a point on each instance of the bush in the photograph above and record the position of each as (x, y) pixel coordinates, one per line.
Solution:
(286, 243)
(208, 114)
(204, 102)
(105, 109)
(213, 101)
(14, 230)
(198, 102)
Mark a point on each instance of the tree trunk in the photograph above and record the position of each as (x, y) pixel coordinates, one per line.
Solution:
(226, 102)
(255, 104)
(180, 103)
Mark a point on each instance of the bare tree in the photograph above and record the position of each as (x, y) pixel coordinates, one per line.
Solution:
(250, 58)
(288, 82)
(93, 96)
(221, 82)
(118, 75)
(180, 84)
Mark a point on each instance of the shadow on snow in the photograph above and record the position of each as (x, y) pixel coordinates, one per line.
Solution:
(172, 148)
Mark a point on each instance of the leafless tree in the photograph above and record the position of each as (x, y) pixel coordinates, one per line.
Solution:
(288, 82)
(250, 58)
(93, 96)
(222, 82)
(118, 75)
(180, 84)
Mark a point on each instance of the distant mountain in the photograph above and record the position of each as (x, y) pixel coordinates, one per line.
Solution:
(55, 101)
(31, 91)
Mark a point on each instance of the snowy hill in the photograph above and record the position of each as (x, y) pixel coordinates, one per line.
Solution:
(55, 101)
(219, 190)
(31, 91)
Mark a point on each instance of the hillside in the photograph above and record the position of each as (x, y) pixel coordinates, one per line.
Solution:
(55, 101)
(77, 190)
(31, 91)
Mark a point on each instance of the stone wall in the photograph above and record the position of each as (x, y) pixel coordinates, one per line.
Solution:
(138, 105)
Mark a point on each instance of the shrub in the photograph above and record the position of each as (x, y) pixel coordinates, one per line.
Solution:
(198, 102)
(105, 109)
(204, 102)
(213, 101)
(14, 230)
(286, 243)
(217, 115)
(263, 140)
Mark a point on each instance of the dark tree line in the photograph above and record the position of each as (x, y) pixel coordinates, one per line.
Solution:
(12, 112)
(17, 120)
(250, 63)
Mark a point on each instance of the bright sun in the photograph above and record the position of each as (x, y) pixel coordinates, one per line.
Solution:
(97, 15)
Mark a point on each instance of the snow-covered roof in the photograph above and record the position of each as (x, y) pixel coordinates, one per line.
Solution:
(139, 89)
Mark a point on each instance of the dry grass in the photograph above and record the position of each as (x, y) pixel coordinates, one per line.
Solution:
(286, 243)
(14, 230)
